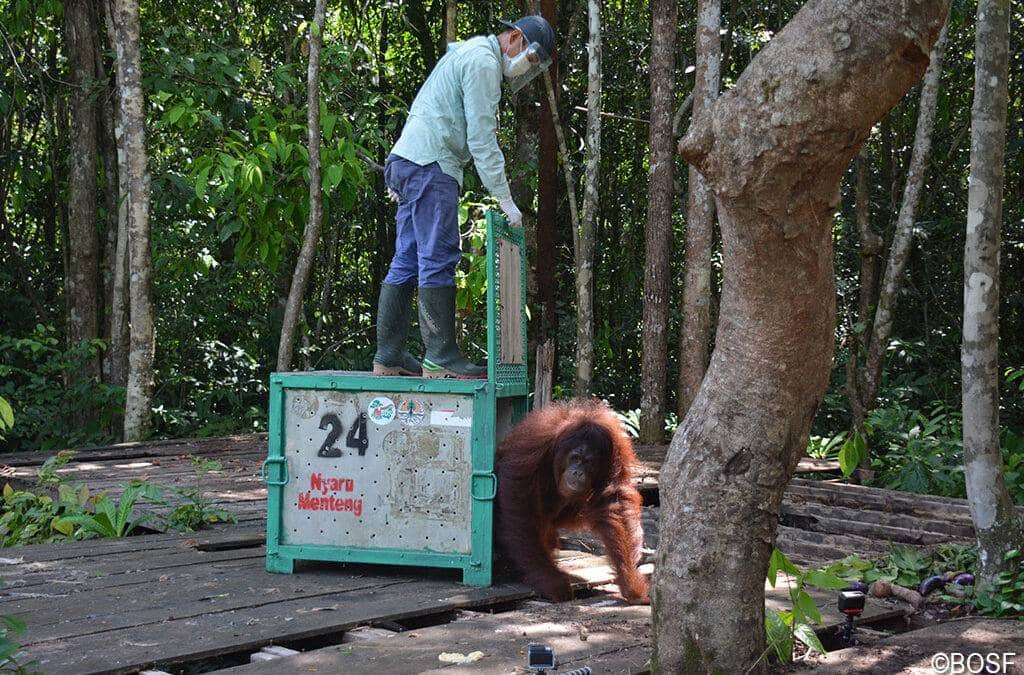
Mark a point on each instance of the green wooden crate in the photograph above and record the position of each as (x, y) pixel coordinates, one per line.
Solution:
(399, 470)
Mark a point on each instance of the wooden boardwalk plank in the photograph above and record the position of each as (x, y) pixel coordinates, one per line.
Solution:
(176, 633)
(609, 639)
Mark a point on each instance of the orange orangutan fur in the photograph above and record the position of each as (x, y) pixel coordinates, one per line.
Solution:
(531, 509)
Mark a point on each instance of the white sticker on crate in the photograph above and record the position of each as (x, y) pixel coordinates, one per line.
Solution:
(448, 418)
(381, 410)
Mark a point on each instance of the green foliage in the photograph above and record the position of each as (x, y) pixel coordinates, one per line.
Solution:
(10, 649)
(57, 405)
(36, 517)
(907, 566)
(1004, 596)
(825, 447)
(783, 628)
(110, 519)
(918, 451)
(630, 420)
(6, 416)
(30, 518)
(193, 509)
(852, 453)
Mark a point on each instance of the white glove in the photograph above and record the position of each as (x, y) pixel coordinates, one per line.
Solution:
(515, 216)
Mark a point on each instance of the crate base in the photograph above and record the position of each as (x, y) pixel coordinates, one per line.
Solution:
(474, 572)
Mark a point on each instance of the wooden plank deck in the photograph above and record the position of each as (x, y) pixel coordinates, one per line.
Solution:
(202, 601)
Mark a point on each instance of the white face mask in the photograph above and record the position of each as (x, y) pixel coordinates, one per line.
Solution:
(515, 66)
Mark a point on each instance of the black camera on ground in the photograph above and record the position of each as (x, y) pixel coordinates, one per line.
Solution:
(851, 602)
(541, 658)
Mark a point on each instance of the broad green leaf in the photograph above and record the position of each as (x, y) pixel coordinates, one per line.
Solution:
(6, 414)
(327, 123)
(778, 635)
(779, 562)
(175, 114)
(824, 580)
(807, 635)
(202, 181)
(804, 608)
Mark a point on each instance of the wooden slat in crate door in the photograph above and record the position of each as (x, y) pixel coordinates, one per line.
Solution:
(510, 277)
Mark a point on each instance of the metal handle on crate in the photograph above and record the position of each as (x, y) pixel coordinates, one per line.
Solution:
(284, 470)
(474, 482)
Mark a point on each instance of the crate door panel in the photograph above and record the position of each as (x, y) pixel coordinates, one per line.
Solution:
(406, 487)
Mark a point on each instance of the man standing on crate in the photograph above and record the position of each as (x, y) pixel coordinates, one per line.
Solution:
(452, 120)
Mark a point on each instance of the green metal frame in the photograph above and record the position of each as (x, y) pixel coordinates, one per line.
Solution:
(508, 382)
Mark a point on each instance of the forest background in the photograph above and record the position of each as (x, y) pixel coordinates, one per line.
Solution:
(225, 95)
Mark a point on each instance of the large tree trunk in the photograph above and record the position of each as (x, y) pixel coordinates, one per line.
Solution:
(695, 329)
(657, 270)
(82, 285)
(311, 235)
(124, 23)
(899, 251)
(591, 176)
(773, 149)
(998, 528)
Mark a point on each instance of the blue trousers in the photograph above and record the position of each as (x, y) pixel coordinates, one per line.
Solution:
(427, 245)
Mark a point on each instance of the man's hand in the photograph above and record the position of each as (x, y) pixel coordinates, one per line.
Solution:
(515, 216)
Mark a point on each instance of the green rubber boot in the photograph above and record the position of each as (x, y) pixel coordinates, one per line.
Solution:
(392, 326)
(437, 324)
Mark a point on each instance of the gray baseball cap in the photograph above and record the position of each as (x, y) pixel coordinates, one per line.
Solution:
(537, 30)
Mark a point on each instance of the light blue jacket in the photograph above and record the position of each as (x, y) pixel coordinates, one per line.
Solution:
(454, 116)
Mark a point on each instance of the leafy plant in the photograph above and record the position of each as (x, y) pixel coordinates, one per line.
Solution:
(918, 451)
(825, 447)
(47, 474)
(30, 518)
(1004, 596)
(195, 509)
(6, 416)
(57, 405)
(782, 629)
(109, 519)
(10, 648)
(852, 453)
(907, 566)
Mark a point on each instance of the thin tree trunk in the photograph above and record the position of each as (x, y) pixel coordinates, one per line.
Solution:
(563, 153)
(899, 250)
(327, 290)
(523, 192)
(776, 151)
(591, 171)
(695, 330)
(115, 358)
(451, 15)
(996, 523)
(658, 245)
(870, 250)
(311, 235)
(119, 316)
(124, 24)
(82, 284)
(544, 374)
(547, 203)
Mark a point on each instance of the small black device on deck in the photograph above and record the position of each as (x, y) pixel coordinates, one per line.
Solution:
(541, 658)
(851, 603)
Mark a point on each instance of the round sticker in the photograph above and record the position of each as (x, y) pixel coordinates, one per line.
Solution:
(411, 411)
(381, 410)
